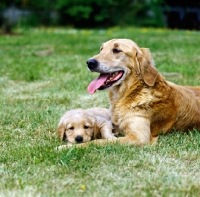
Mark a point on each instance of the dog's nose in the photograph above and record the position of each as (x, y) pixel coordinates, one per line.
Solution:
(92, 63)
(79, 139)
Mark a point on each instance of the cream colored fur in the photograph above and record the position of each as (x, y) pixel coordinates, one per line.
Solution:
(87, 124)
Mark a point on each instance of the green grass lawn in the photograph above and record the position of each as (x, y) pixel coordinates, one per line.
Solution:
(35, 91)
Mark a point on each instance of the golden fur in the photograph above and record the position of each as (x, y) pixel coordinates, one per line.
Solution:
(79, 125)
(143, 104)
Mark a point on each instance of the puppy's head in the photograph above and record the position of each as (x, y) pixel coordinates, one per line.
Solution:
(76, 126)
(117, 60)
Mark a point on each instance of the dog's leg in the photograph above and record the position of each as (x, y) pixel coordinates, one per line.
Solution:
(154, 140)
(136, 130)
(62, 147)
(106, 128)
(127, 140)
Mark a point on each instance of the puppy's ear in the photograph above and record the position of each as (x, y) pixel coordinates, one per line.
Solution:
(94, 122)
(146, 65)
(61, 131)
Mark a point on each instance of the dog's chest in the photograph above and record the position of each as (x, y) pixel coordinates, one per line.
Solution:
(137, 105)
(119, 110)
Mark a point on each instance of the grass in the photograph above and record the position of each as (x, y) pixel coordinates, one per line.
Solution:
(36, 90)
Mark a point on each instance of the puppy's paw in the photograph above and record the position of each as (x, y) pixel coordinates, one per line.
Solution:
(62, 147)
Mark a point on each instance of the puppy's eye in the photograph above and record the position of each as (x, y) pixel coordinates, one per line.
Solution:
(71, 128)
(101, 48)
(86, 127)
(115, 50)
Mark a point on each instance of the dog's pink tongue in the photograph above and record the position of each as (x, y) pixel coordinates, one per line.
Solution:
(97, 83)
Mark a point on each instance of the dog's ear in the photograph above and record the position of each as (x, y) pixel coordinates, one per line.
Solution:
(95, 123)
(61, 132)
(146, 65)
(96, 134)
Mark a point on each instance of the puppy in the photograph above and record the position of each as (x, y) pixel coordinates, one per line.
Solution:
(143, 104)
(79, 126)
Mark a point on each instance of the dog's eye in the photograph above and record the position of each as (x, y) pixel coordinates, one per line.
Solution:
(71, 128)
(116, 50)
(86, 127)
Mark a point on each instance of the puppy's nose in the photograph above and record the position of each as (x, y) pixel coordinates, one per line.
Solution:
(79, 139)
(92, 63)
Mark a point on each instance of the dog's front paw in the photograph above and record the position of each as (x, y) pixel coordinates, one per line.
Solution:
(62, 147)
(113, 137)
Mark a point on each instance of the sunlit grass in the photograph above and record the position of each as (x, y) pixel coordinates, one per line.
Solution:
(36, 90)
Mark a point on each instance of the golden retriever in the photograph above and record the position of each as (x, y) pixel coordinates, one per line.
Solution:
(79, 126)
(143, 104)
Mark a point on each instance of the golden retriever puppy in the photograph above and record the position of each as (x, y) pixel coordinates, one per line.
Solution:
(79, 125)
(143, 104)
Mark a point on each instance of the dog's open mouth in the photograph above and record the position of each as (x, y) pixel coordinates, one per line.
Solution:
(105, 80)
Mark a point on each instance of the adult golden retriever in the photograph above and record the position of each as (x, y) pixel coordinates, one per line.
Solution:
(143, 104)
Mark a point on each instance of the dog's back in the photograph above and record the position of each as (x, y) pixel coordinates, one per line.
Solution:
(99, 111)
(187, 100)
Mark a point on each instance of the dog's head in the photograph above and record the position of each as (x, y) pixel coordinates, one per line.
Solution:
(117, 60)
(76, 126)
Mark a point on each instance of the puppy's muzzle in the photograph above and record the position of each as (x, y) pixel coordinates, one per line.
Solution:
(79, 139)
(92, 64)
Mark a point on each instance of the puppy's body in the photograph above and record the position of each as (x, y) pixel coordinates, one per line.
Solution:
(143, 104)
(79, 125)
